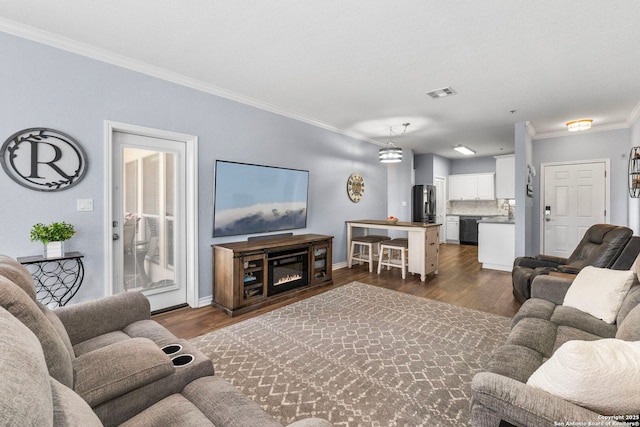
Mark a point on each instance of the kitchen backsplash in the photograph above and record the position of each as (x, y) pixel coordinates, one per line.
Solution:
(479, 207)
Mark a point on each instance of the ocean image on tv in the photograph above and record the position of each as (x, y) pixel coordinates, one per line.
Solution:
(257, 199)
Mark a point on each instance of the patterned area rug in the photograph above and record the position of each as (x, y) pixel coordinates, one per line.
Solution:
(359, 355)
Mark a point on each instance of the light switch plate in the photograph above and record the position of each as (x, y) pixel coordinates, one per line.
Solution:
(84, 205)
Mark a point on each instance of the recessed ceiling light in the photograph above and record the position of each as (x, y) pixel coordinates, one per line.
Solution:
(441, 93)
(464, 150)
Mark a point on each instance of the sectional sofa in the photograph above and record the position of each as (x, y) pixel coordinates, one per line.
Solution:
(106, 363)
(572, 356)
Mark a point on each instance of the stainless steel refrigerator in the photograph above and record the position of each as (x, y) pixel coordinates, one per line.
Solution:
(424, 203)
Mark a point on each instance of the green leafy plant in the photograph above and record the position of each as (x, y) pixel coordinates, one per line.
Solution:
(54, 232)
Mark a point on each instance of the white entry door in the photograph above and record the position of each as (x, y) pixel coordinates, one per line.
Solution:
(575, 198)
(150, 219)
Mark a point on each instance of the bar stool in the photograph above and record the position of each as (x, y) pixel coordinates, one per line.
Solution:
(368, 248)
(396, 250)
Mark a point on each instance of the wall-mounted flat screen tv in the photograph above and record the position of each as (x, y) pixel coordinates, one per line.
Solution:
(258, 199)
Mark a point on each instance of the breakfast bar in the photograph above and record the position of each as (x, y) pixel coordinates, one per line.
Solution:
(424, 239)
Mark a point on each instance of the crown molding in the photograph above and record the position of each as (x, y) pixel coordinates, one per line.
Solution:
(603, 128)
(633, 116)
(69, 45)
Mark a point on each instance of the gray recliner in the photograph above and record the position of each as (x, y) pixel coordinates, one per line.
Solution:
(600, 246)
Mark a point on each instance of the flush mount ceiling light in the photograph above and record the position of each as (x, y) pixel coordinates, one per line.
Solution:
(576, 125)
(391, 153)
(441, 93)
(464, 150)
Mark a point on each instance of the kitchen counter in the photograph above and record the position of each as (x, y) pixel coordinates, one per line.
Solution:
(497, 220)
(496, 243)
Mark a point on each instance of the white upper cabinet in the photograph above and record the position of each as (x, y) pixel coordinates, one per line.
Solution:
(506, 176)
(472, 187)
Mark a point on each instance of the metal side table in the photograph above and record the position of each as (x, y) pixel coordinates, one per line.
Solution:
(56, 279)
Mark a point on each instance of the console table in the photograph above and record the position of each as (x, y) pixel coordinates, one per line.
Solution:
(56, 279)
(424, 241)
(250, 274)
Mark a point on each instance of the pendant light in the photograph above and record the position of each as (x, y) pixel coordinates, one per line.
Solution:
(391, 153)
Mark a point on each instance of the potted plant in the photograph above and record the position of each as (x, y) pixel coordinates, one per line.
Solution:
(52, 236)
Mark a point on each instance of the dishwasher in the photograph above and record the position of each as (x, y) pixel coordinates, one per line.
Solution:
(469, 230)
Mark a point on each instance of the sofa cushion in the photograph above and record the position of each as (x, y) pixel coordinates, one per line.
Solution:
(534, 307)
(537, 334)
(25, 390)
(18, 274)
(599, 291)
(629, 329)
(98, 342)
(69, 409)
(119, 368)
(572, 317)
(629, 303)
(515, 361)
(174, 410)
(56, 353)
(224, 405)
(600, 375)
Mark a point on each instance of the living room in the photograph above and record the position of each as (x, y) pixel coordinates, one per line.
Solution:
(50, 83)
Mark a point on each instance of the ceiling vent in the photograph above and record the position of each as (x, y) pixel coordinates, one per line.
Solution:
(441, 93)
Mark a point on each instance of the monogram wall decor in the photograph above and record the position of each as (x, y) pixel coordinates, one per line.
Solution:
(43, 159)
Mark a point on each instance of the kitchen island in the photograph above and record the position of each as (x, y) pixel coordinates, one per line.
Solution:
(424, 241)
(496, 242)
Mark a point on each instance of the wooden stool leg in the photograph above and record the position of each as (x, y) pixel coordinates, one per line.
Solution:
(353, 248)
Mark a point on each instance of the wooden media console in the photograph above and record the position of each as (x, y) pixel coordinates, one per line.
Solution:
(250, 274)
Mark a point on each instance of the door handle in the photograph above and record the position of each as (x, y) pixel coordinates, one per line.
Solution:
(547, 213)
(115, 236)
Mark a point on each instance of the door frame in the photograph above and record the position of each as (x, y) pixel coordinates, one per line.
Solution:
(191, 217)
(607, 191)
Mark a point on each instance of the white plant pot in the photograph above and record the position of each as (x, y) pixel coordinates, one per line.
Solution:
(54, 250)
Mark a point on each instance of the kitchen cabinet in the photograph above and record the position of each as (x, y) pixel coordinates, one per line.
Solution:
(506, 176)
(472, 187)
(496, 245)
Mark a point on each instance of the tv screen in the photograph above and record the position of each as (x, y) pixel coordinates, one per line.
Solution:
(258, 199)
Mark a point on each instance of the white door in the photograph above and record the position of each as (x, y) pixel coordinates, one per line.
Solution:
(151, 219)
(575, 198)
(441, 206)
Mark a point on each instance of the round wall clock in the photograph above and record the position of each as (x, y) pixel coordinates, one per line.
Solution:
(355, 187)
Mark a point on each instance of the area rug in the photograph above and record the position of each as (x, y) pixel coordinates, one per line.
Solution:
(359, 355)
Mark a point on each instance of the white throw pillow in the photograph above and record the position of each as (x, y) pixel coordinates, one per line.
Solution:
(601, 375)
(599, 291)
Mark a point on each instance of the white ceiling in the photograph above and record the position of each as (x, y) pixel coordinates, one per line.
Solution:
(361, 66)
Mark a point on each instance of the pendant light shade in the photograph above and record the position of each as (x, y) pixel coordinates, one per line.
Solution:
(390, 154)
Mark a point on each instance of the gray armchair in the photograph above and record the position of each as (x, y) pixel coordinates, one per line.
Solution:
(601, 246)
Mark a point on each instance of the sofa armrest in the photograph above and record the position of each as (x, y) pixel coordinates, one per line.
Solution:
(551, 287)
(119, 368)
(552, 259)
(569, 269)
(94, 318)
(539, 261)
(520, 404)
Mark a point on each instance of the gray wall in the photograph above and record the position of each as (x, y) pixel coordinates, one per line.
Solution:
(429, 166)
(46, 87)
(473, 165)
(613, 145)
(634, 203)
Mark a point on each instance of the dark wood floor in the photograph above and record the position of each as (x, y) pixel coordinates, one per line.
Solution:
(460, 281)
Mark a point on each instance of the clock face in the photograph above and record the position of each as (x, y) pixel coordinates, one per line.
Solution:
(355, 187)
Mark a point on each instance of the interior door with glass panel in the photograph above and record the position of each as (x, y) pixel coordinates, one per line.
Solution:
(148, 219)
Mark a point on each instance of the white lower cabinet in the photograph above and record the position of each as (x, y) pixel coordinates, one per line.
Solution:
(453, 229)
(496, 245)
